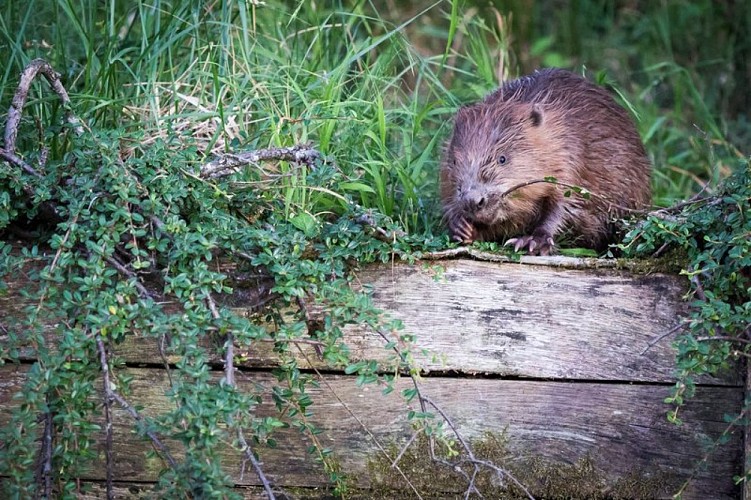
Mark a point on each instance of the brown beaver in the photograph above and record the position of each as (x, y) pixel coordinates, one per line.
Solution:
(551, 123)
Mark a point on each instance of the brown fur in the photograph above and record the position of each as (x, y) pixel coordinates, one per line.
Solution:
(551, 123)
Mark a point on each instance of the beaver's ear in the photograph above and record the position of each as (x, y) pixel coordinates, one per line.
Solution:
(535, 115)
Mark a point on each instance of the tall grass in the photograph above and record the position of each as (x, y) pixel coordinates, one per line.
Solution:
(372, 84)
(241, 75)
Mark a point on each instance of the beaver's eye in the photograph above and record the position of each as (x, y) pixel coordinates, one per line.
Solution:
(502, 160)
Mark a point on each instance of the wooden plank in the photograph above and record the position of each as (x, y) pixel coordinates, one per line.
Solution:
(518, 320)
(621, 427)
(534, 321)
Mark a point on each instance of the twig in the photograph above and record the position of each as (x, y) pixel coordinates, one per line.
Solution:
(698, 288)
(472, 459)
(727, 338)
(423, 400)
(111, 395)
(107, 413)
(702, 463)
(14, 160)
(560, 261)
(230, 163)
(395, 462)
(573, 187)
(662, 336)
(129, 274)
(229, 377)
(151, 434)
(45, 458)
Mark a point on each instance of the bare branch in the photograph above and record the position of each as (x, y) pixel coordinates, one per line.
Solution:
(107, 414)
(232, 162)
(151, 434)
(470, 454)
(229, 377)
(19, 100)
(129, 274)
(394, 463)
(467, 448)
(18, 162)
(44, 469)
(676, 328)
(109, 396)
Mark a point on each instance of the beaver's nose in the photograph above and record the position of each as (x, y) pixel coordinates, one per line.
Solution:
(474, 200)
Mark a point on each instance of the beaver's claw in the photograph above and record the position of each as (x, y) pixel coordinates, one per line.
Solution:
(462, 231)
(536, 244)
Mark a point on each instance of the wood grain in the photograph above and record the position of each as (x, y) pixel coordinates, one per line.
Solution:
(621, 427)
(513, 320)
(534, 321)
(563, 359)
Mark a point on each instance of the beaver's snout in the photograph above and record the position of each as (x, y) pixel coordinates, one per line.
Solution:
(473, 200)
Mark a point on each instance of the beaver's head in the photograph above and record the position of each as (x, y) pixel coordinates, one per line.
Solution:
(495, 147)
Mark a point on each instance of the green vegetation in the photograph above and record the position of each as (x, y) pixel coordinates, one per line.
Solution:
(712, 236)
(119, 222)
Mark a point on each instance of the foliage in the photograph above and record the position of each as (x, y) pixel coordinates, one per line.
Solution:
(165, 85)
(167, 228)
(713, 234)
(341, 76)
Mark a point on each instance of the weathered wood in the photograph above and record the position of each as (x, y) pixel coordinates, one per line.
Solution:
(621, 427)
(519, 320)
(563, 347)
(534, 321)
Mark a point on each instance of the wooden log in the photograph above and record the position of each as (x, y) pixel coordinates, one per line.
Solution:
(570, 362)
(621, 427)
(517, 320)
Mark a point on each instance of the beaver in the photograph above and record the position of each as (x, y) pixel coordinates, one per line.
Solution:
(552, 123)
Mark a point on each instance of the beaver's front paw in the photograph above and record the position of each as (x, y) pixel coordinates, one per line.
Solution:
(536, 244)
(462, 230)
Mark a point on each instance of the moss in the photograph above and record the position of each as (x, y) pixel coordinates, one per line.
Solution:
(672, 261)
(543, 477)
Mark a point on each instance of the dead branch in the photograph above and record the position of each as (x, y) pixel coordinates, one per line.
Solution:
(30, 72)
(231, 163)
(44, 463)
(109, 396)
(673, 330)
